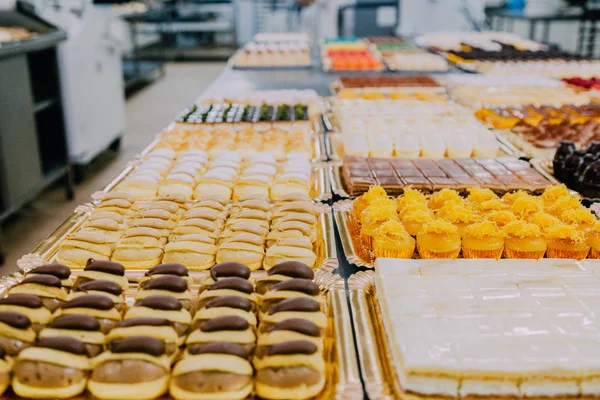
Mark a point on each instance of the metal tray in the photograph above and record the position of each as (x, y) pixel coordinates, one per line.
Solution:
(354, 252)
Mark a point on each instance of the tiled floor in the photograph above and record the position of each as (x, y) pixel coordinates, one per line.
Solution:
(148, 111)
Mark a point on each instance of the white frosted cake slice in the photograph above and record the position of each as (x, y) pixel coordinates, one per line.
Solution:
(507, 328)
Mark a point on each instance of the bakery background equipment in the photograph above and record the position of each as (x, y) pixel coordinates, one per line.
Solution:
(33, 149)
(91, 77)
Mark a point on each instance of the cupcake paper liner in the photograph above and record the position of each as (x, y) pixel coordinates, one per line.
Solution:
(427, 254)
(512, 253)
(473, 253)
(573, 254)
(385, 253)
(594, 254)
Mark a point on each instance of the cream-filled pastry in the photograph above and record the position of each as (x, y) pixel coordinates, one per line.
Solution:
(228, 328)
(80, 247)
(209, 214)
(177, 183)
(197, 251)
(253, 216)
(141, 184)
(291, 288)
(282, 272)
(214, 183)
(300, 231)
(225, 270)
(168, 285)
(170, 205)
(290, 249)
(165, 269)
(209, 204)
(148, 227)
(169, 219)
(121, 206)
(60, 271)
(284, 185)
(230, 286)
(111, 215)
(260, 204)
(296, 307)
(301, 207)
(110, 289)
(47, 287)
(288, 330)
(55, 368)
(135, 368)
(102, 270)
(217, 370)
(99, 307)
(195, 226)
(159, 328)
(29, 305)
(110, 229)
(244, 248)
(294, 196)
(140, 248)
(224, 306)
(166, 307)
(16, 332)
(6, 366)
(251, 184)
(242, 227)
(84, 328)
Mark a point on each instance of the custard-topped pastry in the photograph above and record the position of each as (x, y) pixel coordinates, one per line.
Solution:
(47, 287)
(439, 239)
(371, 220)
(29, 305)
(523, 240)
(84, 328)
(410, 197)
(490, 206)
(566, 241)
(483, 240)
(509, 198)
(393, 241)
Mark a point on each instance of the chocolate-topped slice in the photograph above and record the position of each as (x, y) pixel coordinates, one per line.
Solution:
(58, 270)
(169, 283)
(291, 347)
(101, 286)
(15, 319)
(109, 267)
(225, 323)
(168, 269)
(63, 343)
(301, 304)
(145, 321)
(44, 280)
(139, 344)
(23, 300)
(296, 325)
(292, 269)
(75, 322)
(229, 269)
(158, 302)
(298, 285)
(238, 302)
(221, 348)
(238, 284)
(94, 301)
(2, 353)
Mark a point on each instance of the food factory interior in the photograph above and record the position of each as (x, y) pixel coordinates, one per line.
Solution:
(299, 199)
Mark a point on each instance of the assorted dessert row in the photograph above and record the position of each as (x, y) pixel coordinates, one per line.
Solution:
(199, 234)
(516, 95)
(501, 175)
(578, 169)
(236, 336)
(489, 41)
(388, 81)
(388, 128)
(195, 173)
(243, 113)
(399, 95)
(274, 50)
(480, 225)
(351, 54)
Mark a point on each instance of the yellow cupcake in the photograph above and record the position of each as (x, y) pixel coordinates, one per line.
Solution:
(543, 220)
(438, 199)
(460, 216)
(594, 241)
(392, 241)
(376, 206)
(479, 195)
(483, 240)
(373, 219)
(580, 217)
(365, 199)
(509, 198)
(553, 193)
(438, 239)
(525, 206)
(489, 206)
(566, 241)
(409, 198)
(414, 220)
(501, 217)
(412, 207)
(563, 204)
(523, 240)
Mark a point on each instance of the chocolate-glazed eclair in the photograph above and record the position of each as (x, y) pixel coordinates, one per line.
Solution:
(162, 307)
(80, 247)
(228, 287)
(289, 370)
(223, 306)
(102, 270)
(98, 306)
(163, 269)
(16, 332)
(168, 285)
(288, 330)
(84, 328)
(6, 366)
(229, 328)
(30, 305)
(291, 288)
(282, 272)
(217, 370)
(110, 289)
(135, 368)
(228, 269)
(46, 287)
(55, 368)
(60, 271)
(298, 307)
(159, 328)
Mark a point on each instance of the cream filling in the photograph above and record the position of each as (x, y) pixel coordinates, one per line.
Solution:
(428, 384)
(486, 387)
(552, 388)
(590, 387)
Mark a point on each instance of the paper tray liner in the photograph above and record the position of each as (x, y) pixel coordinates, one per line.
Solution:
(342, 376)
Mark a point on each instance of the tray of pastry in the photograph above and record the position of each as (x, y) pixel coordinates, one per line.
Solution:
(415, 319)
(448, 224)
(501, 174)
(228, 333)
(387, 84)
(198, 234)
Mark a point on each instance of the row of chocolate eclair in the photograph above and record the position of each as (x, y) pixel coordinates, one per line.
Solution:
(81, 325)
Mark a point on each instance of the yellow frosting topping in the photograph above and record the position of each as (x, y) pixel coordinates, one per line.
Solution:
(522, 229)
(374, 192)
(577, 216)
(484, 229)
(378, 215)
(391, 230)
(501, 217)
(562, 204)
(509, 198)
(439, 226)
(553, 193)
(490, 205)
(526, 205)
(456, 213)
(478, 195)
(440, 198)
(411, 196)
(596, 228)
(418, 216)
(565, 232)
(543, 220)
